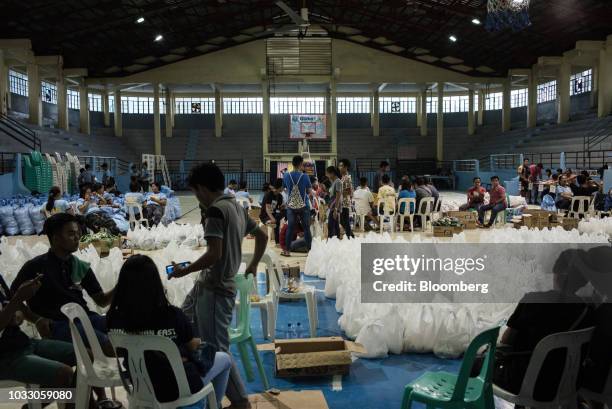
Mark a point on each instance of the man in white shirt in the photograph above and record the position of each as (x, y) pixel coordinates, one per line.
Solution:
(231, 188)
(364, 200)
(155, 204)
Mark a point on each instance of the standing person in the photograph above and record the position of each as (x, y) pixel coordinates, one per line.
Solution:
(523, 175)
(335, 196)
(140, 306)
(535, 175)
(211, 302)
(271, 208)
(497, 203)
(86, 178)
(298, 187)
(383, 169)
(105, 174)
(144, 177)
(475, 196)
(347, 195)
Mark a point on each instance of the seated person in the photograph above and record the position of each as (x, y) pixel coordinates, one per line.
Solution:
(55, 203)
(434, 192)
(497, 203)
(538, 315)
(95, 218)
(386, 192)
(364, 203)
(298, 243)
(43, 362)
(406, 192)
(154, 205)
(134, 195)
(97, 192)
(475, 196)
(87, 202)
(422, 190)
(63, 279)
(231, 188)
(243, 192)
(584, 186)
(140, 306)
(563, 198)
(271, 207)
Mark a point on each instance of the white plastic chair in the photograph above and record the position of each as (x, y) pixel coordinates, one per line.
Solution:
(268, 304)
(100, 373)
(437, 209)
(359, 217)
(424, 210)
(566, 395)
(12, 385)
(140, 391)
(130, 205)
(386, 208)
(409, 211)
(604, 397)
(244, 202)
(579, 207)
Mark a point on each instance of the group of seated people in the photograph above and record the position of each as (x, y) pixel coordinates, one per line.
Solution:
(153, 203)
(476, 198)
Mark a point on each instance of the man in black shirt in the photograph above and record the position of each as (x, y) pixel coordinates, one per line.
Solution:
(584, 186)
(63, 278)
(41, 362)
(271, 207)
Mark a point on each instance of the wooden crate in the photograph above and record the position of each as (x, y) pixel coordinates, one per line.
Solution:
(446, 231)
(569, 223)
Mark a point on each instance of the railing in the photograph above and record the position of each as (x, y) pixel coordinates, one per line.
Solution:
(7, 162)
(466, 165)
(292, 146)
(503, 161)
(588, 160)
(115, 165)
(20, 133)
(550, 160)
(598, 133)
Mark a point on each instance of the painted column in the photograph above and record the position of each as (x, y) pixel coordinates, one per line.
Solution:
(63, 120)
(532, 98)
(168, 113)
(563, 92)
(418, 110)
(604, 88)
(470, 116)
(594, 84)
(106, 108)
(506, 106)
(333, 116)
(34, 97)
(84, 109)
(265, 123)
(440, 123)
(117, 115)
(156, 120)
(423, 97)
(376, 112)
(4, 94)
(218, 111)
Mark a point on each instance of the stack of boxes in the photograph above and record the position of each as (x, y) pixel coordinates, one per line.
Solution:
(467, 219)
(543, 219)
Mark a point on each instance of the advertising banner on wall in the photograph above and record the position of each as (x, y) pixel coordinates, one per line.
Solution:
(311, 126)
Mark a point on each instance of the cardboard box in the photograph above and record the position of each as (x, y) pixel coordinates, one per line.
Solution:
(312, 356)
(467, 219)
(569, 223)
(102, 246)
(287, 400)
(446, 231)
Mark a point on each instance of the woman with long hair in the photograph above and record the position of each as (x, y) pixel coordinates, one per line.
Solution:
(55, 203)
(139, 307)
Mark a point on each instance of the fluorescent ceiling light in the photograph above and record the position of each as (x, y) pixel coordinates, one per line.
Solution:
(159, 37)
(476, 21)
(140, 20)
(452, 38)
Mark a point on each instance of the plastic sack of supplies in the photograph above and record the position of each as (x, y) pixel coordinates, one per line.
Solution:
(22, 216)
(9, 223)
(37, 217)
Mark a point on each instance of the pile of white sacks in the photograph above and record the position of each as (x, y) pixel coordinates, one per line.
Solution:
(160, 236)
(443, 328)
(594, 225)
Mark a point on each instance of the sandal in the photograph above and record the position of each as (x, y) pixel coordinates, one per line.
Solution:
(285, 253)
(109, 404)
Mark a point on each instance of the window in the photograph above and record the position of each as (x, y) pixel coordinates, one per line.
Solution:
(140, 105)
(547, 91)
(475, 101)
(353, 105)
(245, 105)
(190, 105)
(18, 83)
(581, 82)
(397, 105)
(518, 98)
(432, 105)
(493, 101)
(74, 99)
(48, 92)
(456, 103)
(111, 103)
(95, 102)
(297, 105)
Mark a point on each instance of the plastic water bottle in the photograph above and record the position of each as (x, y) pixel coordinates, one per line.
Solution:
(289, 331)
(298, 330)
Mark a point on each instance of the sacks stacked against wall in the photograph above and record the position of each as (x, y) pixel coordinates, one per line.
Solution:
(21, 216)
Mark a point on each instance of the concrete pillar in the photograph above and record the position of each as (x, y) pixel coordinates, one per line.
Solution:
(532, 98)
(563, 92)
(506, 105)
(63, 121)
(118, 123)
(156, 120)
(172, 108)
(106, 108)
(218, 112)
(440, 123)
(418, 110)
(604, 76)
(481, 106)
(265, 123)
(84, 109)
(333, 117)
(594, 84)
(470, 116)
(423, 97)
(376, 112)
(168, 113)
(34, 97)
(4, 85)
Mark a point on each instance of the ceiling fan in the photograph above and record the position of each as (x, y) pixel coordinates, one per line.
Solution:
(300, 26)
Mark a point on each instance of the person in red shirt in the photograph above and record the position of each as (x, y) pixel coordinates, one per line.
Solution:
(535, 175)
(497, 203)
(475, 196)
(298, 244)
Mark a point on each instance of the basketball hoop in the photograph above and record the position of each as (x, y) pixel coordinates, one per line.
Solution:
(513, 14)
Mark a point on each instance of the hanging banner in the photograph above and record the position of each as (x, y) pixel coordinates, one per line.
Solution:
(308, 126)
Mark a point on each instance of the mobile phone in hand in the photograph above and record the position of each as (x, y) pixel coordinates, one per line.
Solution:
(170, 268)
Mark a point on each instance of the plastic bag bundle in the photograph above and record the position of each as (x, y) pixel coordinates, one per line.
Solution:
(22, 216)
(9, 223)
(37, 217)
(14, 256)
(596, 226)
(158, 237)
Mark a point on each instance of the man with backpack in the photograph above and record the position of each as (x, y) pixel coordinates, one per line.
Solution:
(298, 187)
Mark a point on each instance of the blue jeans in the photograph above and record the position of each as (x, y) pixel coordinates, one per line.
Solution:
(304, 216)
(60, 330)
(218, 375)
(494, 210)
